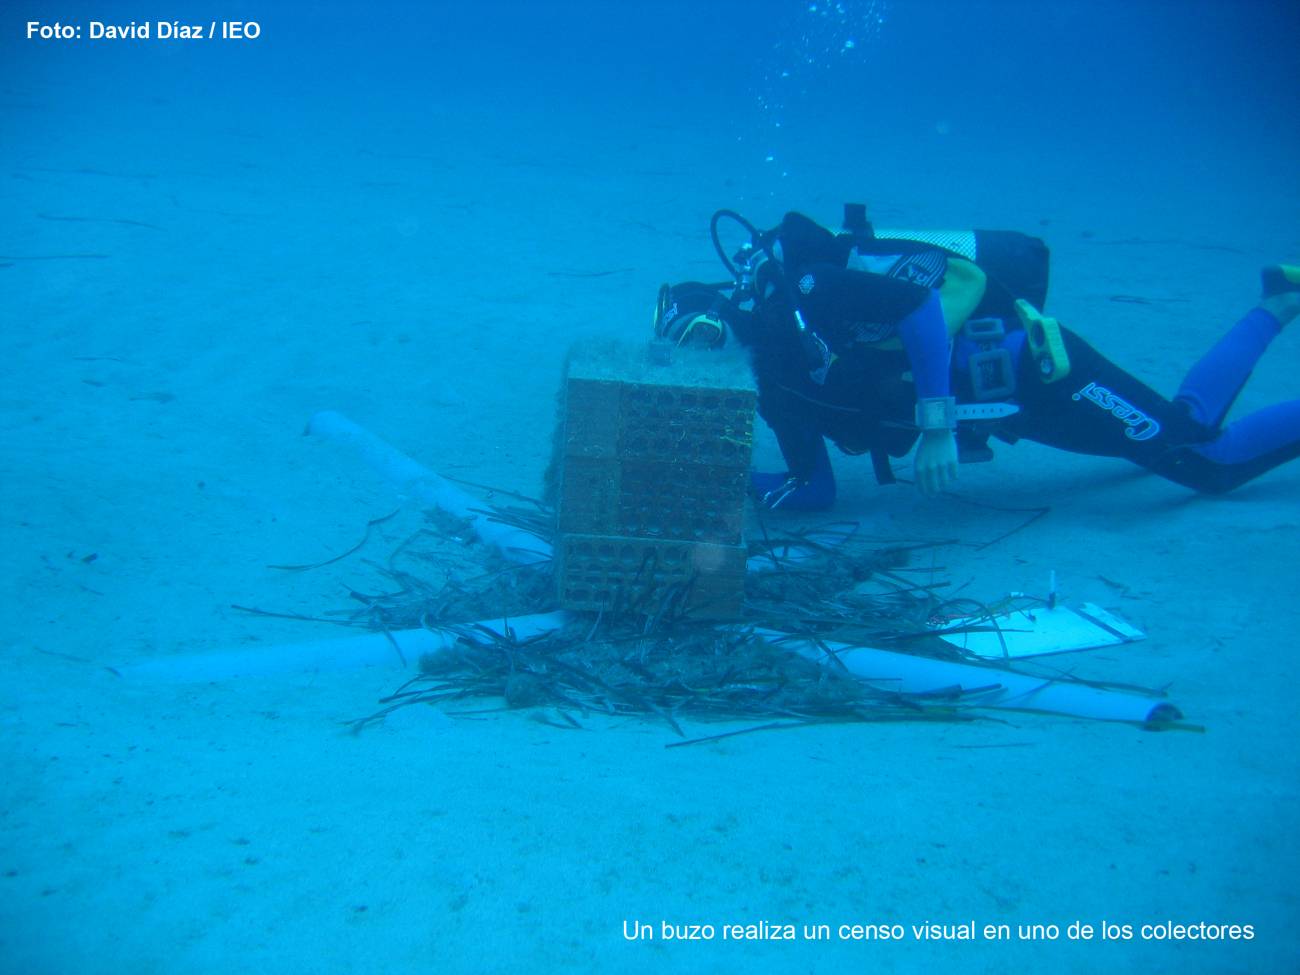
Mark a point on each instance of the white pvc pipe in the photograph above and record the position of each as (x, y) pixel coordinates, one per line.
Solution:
(884, 669)
(347, 653)
(412, 477)
(997, 688)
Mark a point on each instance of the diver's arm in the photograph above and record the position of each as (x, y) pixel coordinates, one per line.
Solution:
(924, 333)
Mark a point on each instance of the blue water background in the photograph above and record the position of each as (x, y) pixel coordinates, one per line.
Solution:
(341, 196)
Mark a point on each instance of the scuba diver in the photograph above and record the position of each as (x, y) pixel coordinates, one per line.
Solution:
(882, 341)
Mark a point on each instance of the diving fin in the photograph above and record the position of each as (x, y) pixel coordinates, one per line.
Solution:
(1280, 278)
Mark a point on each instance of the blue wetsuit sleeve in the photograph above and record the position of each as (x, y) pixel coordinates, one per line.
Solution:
(1217, 379)
(925, 337)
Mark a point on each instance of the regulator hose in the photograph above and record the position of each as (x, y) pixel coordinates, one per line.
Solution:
(754, 237)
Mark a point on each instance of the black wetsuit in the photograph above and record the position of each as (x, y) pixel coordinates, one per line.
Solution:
(1104, 410)
(862, 402)
(823, 381)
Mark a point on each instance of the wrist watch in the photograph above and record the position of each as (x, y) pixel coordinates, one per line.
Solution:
(936, 413)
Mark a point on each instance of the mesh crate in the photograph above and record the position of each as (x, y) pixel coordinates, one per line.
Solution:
(619, 574)
(652, 500)
(652, 450)
(653, 421)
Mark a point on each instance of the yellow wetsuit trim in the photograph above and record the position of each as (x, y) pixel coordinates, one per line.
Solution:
(1046, 344)
(962, 290)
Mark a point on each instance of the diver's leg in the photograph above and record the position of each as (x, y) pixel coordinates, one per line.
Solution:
(812, 491)
(1100, 409)
(1213, 384)
(1215, 381)
(1242, 451)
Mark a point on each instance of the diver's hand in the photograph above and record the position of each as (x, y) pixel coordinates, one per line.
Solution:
(935, 464)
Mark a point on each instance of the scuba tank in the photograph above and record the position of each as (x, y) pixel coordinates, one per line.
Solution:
(994, 267)
(1014, 264)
